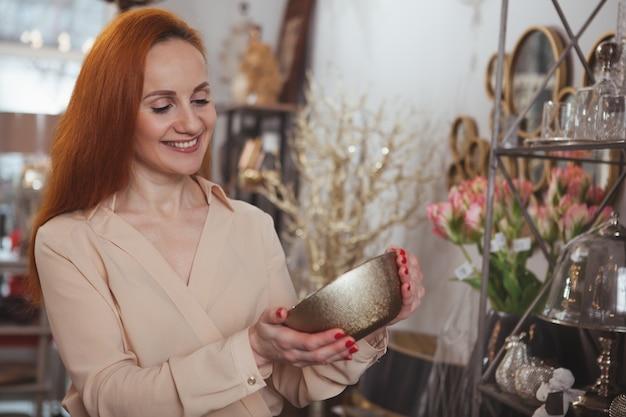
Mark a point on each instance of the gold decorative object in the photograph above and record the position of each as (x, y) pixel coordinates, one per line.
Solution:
(361, 172)
(359, 301)
(261, 70)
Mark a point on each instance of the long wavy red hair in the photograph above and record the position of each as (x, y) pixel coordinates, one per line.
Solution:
(92, 150)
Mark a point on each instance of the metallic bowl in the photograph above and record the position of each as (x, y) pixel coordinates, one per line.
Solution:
(360, 301)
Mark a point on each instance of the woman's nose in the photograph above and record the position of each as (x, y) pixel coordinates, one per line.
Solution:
(188, 121)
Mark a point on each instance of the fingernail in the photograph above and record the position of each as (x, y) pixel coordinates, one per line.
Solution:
(348, 358)
(408, 287)
(353, 349)
(403, 260)
(349, 343)
(402, 252)
(406, 270)
(339, 335)
(279, 312)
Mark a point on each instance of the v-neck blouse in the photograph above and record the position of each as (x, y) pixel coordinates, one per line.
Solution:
(137, 341)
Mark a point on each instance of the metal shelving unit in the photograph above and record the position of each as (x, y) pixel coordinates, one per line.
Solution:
(484, 385)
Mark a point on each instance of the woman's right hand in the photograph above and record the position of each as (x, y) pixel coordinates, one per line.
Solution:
(271, 341)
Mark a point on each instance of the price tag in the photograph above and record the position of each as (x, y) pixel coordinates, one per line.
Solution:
(498, 243)
(521, 244)
(464, 271)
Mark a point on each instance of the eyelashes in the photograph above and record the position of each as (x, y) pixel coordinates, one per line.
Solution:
(163, 109)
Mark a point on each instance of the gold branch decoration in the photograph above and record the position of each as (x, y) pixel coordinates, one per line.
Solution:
(361, 172)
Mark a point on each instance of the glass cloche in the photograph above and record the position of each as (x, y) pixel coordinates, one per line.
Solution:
(588, 286)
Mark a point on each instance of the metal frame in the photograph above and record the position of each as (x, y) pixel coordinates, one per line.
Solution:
(509, 147)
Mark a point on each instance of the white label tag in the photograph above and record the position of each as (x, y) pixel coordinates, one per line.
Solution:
(498, 243)
(521, 244)
(464, 271)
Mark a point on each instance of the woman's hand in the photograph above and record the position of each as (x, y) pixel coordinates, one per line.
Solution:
(412, 279)
(273, 342)
(412, 288)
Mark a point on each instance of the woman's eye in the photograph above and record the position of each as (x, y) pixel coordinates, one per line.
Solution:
(161, 109)
(201, 102)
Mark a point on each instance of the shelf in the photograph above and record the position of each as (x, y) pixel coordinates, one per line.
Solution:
(23, 389)
(9, 263)
(23, 330)
(526, 407)
(536, 149)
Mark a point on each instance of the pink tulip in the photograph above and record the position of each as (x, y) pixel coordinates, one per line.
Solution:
(604, 215)
(575, 219)
(475, 222)
(438, 214)
(544, 222)
(595, 195)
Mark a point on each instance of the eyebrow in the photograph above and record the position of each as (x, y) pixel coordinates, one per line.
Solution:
(204, 86)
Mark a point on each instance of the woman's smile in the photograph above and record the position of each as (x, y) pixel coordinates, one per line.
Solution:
(187, 145)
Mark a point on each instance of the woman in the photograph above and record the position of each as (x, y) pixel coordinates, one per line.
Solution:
(165, 297)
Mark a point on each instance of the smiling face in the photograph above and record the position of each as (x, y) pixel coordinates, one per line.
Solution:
(176, 115)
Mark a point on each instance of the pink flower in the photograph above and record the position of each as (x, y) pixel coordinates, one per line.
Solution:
(447, 222)
(544, 222)
(572, 180)
(475, 222)
(605, 214)
(575, 218)
(595, 195)
(440, 214)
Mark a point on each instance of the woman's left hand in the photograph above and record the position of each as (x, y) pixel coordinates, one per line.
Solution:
(412, 279)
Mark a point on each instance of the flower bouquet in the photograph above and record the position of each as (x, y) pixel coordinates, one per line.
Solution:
(565, 211)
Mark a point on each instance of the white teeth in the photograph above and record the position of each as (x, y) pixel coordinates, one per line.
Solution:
(184, 145)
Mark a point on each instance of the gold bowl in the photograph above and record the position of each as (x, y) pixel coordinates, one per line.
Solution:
(360, 301)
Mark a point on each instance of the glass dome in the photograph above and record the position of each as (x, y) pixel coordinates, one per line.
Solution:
(589, 282)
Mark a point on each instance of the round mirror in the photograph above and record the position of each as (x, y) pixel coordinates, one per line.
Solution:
(534, 54)
(490, 76)
(477, 157)
(567, 95)
(463, 130)
(537, 171)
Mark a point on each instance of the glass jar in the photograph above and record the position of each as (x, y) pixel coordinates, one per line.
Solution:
(588, 286)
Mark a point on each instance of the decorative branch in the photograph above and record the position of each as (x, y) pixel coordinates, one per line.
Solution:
(361, 173)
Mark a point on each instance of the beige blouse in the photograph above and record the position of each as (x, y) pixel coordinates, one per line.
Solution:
(137, 341)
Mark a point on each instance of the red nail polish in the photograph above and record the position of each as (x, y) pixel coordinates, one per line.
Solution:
(402, 252)
(408, 287)
(403, 260)
(349, 343)
(279, 312)
(339, 335)
(406, 270)
(354, 349)
(348, 358)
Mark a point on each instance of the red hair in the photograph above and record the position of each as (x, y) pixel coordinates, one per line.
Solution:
(93, 144)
